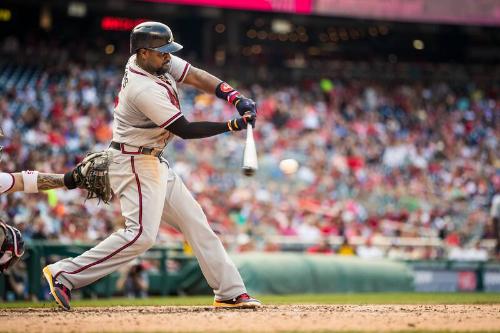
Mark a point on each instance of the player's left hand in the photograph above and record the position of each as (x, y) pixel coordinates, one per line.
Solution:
(92, 174)
(244, 105)
(239, 124)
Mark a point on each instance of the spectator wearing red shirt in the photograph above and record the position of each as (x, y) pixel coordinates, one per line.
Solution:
(323, 247)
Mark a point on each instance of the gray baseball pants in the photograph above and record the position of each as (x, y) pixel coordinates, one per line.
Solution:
(150, 192)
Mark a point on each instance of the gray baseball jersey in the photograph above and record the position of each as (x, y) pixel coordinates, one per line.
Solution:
(149, 191)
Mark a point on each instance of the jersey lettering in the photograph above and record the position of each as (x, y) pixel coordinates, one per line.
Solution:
(125, 79)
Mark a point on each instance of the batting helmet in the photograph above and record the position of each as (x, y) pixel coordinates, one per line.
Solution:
(12, 248)
(153, 36)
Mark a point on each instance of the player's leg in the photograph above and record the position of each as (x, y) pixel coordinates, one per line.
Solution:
(183, 212)
(139, 182)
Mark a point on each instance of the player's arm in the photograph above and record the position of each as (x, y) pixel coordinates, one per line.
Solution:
(204, 129)
(201, 80)
(43, 181)
(34, 181)
(156, 106)
(208, 83)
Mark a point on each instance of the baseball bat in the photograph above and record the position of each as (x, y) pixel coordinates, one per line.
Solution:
(250, 164)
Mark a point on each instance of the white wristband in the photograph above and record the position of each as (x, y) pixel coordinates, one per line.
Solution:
(30, 180)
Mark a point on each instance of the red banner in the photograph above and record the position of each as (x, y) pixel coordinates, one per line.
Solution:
(288, 6)
(119, 23)
(476, 12)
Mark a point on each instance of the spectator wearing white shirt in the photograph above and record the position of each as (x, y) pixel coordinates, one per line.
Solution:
(368, 251)
(495, 217)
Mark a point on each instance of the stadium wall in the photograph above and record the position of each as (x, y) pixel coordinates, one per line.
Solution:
(290, 273)
(282, 273)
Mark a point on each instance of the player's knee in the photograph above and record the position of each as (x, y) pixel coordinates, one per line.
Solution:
(145, 242)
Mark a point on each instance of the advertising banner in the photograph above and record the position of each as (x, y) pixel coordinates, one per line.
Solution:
(288, 6)
(436, 281)
(491, 281)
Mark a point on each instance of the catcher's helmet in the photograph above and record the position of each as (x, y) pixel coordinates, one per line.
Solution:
(1, 147)
(12, 248)
(154, 36)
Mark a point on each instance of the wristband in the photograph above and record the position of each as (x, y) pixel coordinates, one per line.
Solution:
(30, 180)
(69, 181)
(233, 125)
(228, 93)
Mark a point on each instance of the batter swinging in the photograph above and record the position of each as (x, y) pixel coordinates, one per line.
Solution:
(146, 118)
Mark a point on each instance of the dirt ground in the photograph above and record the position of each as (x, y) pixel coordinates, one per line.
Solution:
(381, 318)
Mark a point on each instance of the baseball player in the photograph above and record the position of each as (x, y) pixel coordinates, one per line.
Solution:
(147, 116)
(11, 240)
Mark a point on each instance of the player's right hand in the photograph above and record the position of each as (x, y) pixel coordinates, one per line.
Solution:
(241, 123)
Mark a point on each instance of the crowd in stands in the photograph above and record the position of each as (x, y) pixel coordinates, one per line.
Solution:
(377, 159)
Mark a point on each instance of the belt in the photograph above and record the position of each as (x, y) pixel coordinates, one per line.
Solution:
(135, 150)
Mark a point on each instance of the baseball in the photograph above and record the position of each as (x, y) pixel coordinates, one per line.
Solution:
(289, 166)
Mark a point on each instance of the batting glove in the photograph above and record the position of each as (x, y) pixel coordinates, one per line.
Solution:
(233, 96)
(244, 105)
(241, 123)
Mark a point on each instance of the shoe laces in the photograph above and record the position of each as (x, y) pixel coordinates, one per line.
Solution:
(63, 288)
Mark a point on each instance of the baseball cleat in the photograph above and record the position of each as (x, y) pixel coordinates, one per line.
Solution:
(244, 301)
(61, 294)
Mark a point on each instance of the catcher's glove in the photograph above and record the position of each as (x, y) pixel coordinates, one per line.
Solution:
(92, 174)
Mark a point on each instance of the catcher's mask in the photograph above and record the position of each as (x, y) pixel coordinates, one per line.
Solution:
(12, 248)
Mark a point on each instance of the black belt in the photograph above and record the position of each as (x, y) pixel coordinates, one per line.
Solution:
(136, 150)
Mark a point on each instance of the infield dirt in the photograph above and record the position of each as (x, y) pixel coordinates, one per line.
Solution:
(270, 318)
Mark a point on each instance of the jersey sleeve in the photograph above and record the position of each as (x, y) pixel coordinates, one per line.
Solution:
(158, 103)
(178, 68)
(7, 181)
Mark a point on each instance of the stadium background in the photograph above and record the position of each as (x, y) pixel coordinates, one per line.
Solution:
(391, 111)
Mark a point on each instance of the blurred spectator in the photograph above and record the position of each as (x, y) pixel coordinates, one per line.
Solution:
(346, 249)
(323, 247)
(468, 253)
(396, 252)
(495, 218)
(369, 251)
(15, 281)
(133, 281)
(415, 158)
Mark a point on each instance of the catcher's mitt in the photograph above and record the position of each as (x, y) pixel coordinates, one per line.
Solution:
(92, 174)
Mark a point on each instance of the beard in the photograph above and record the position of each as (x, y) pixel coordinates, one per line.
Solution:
(163, 69)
